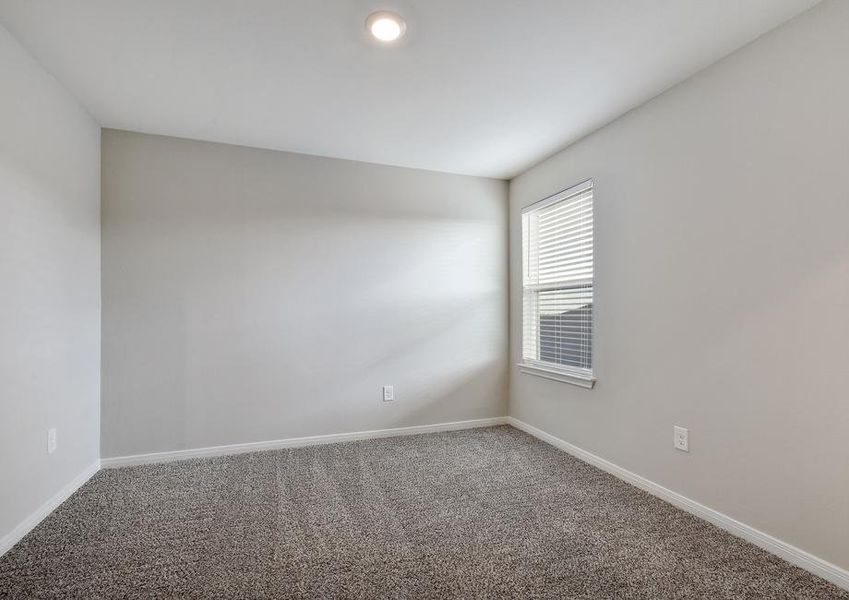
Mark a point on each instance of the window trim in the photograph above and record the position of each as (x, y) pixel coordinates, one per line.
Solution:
(562, 195)
(546, 370)
(565, 375)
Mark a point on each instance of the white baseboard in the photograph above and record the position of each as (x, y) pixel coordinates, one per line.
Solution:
(28, 524)
(314, 440)
(791, 554)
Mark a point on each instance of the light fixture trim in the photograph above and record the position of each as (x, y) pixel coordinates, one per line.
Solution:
(386, 26)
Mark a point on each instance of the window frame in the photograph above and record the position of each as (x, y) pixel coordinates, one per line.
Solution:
(549, 370)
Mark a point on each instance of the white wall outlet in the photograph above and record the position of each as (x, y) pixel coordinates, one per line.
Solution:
(682, 438)
(388, 393)
(51, 440)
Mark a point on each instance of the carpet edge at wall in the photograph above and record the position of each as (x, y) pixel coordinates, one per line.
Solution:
(8, 541)
(805, 560)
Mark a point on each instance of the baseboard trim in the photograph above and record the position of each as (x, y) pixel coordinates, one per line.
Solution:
(792, 554)
(28, 524)
(314, 440)
(788, 552)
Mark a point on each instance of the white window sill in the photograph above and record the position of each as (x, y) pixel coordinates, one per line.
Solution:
(558, 375)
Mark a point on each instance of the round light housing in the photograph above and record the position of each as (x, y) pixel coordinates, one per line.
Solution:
(386, 26)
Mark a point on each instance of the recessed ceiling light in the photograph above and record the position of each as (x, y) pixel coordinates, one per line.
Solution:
(386, 26)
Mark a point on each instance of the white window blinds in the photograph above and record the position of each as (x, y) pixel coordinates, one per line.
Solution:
(557, 269)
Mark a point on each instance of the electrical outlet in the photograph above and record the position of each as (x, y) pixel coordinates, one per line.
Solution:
(681, 438)
(388, 393)
(51, 440)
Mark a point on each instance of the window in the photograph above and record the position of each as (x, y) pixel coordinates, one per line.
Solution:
(557, 286)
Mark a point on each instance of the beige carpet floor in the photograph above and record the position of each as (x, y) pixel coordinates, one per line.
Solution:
(486, 513)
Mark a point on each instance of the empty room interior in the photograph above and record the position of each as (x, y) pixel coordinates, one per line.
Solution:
(424, 299)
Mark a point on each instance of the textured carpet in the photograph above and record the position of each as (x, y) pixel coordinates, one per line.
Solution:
(487, 513)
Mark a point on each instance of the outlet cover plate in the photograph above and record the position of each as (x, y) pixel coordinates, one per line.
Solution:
(681, 438)
(388, 393)
(51, 440)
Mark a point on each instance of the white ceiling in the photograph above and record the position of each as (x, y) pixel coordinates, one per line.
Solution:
(482, 87)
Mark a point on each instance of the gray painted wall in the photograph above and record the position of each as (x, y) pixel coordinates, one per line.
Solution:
(50, 274)
(722, 287)
(252, 295)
